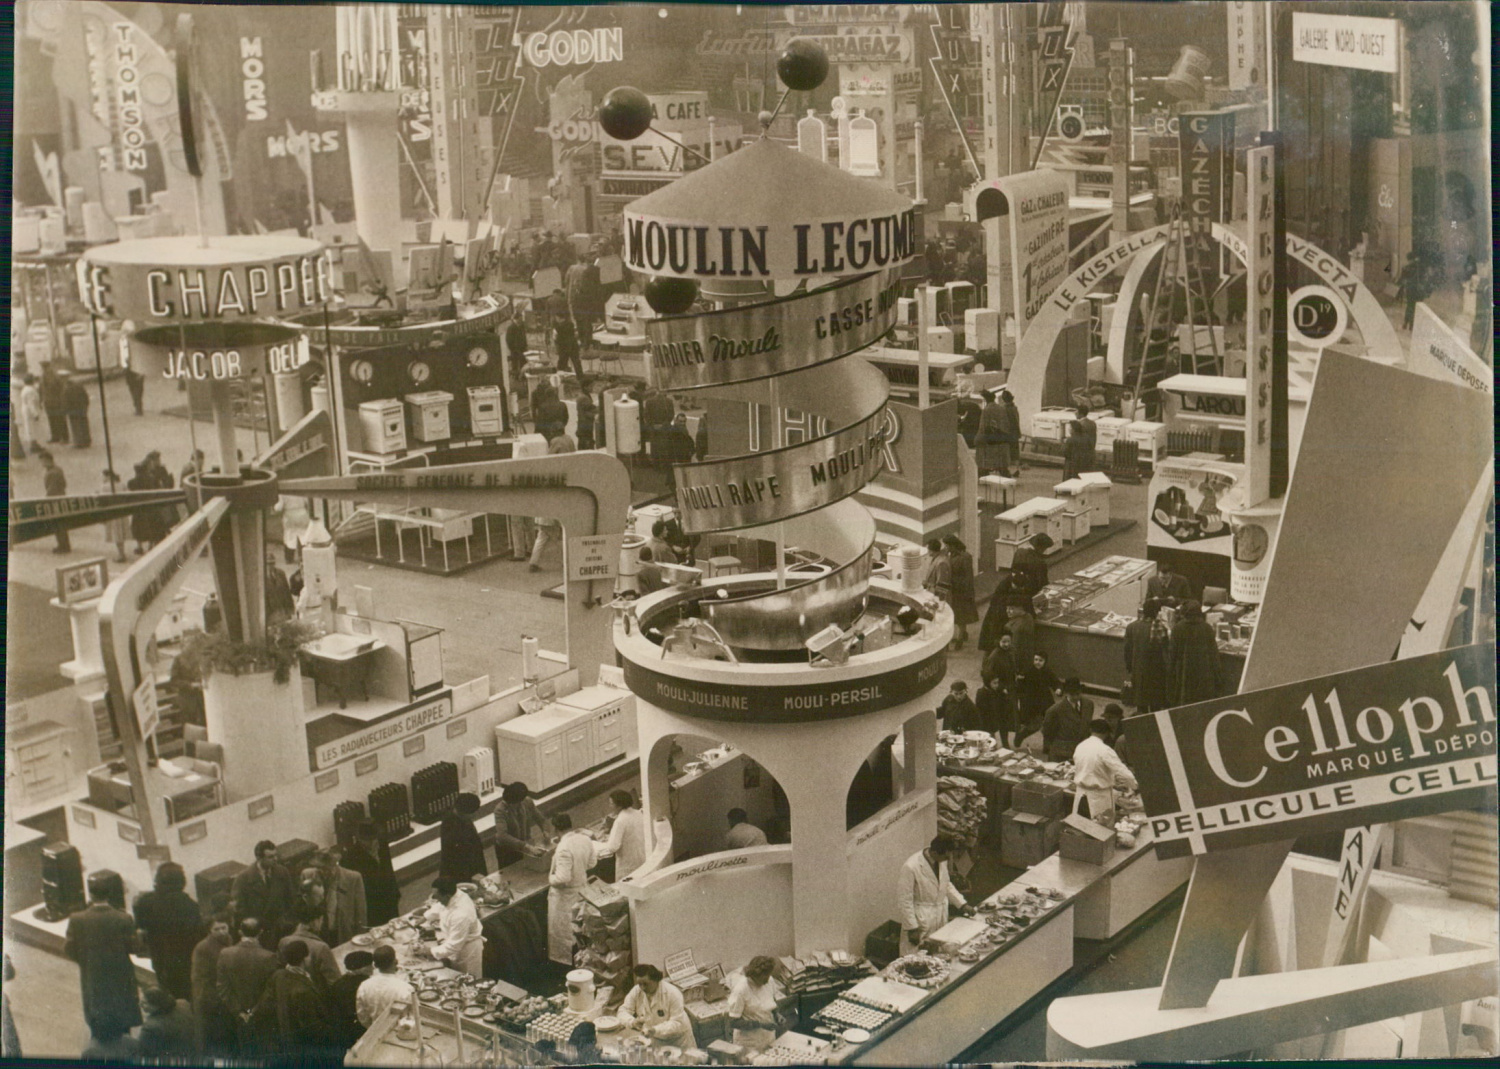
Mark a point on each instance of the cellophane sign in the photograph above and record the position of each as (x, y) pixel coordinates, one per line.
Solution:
(1368, 746)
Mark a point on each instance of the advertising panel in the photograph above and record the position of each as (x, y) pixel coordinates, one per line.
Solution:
(1245, 43)
(1372, 745)
(1206, 143)
(754, 341)
(1188, 499)
(1439, 353)
(1346, 41)
(1260, 198)
(1036, 207)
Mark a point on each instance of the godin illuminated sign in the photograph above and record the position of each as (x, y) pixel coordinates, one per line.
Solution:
(566, 48)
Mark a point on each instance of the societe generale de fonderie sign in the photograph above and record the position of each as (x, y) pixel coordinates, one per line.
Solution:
(1372, 745)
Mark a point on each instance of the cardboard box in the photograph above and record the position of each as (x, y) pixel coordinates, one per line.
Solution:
(1081, 839)
(1027, 838)
(1042, 799)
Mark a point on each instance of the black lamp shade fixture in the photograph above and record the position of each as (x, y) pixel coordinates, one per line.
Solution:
(802, 66)
(625, 114)
(671, 296)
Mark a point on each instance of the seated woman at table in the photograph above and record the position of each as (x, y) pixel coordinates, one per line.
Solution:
(654, 1008)
(753, 1001)
(516, 821)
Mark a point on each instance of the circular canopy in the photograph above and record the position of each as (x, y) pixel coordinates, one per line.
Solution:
(768, 211)
(185, 279)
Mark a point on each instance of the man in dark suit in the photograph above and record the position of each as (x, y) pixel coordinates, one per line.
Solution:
(169, 1032)
(243, 971)
(1146, 648)
(371, 858)
(264, 891)
(1028, 571)
(1067, 723)
(215, 1025)
(343, 898)
(1168, 586)
(171, 925)
(344, 996)
(100, 940)
(292, 1017)
(461, 851)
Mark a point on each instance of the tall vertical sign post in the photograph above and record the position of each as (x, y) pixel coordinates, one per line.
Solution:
(1121, 92)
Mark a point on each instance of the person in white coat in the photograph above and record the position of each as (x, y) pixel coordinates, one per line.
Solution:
(627, 835)
(924, 893)
(655, 1008)
(1098, 772)
(570, 873)
(460, 939)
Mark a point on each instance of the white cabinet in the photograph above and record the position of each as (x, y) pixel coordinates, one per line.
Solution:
(579, 732)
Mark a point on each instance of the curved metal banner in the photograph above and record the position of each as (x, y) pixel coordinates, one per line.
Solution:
(756, 341)
(32, 518)
(492, 311)
(761, 488)
(769, 619)
(182, 280)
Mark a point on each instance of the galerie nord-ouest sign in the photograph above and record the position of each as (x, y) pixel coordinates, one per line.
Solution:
(1368, 746)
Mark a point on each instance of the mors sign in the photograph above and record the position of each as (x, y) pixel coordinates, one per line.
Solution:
(1368, 746)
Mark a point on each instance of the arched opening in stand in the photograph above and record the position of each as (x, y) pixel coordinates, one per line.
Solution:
(706, 781)
(884, 777)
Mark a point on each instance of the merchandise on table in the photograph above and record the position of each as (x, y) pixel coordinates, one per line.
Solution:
(961, 809)
(845, 1011)
(823, 972)
(918, 970)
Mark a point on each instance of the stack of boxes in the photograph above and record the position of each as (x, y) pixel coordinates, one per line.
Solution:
(1031, 827)
(601, 928)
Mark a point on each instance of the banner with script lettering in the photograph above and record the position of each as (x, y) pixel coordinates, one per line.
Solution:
(759, 340)
(1369, 746)
(32, 518)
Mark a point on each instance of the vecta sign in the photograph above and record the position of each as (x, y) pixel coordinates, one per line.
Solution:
(1369, 746)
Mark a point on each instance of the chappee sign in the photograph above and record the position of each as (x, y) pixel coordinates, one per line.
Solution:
(1369, 746)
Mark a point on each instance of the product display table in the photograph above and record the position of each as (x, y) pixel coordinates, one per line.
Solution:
(1091, 901)
(341, 661)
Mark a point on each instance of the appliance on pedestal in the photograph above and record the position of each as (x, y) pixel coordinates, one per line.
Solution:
(484, 411)
(384, 426)
(429, 415)
(62, 880)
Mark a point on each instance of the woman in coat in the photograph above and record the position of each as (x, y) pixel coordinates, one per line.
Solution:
(371, 858)
(171, 925)
(1194, 670)
(961, 589)
(1035, 694)
(989, 441)
(1078, 451)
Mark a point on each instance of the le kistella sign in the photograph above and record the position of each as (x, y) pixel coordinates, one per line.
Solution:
(1369, 746)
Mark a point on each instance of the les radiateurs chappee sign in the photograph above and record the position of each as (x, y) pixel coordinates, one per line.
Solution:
(1368, 746)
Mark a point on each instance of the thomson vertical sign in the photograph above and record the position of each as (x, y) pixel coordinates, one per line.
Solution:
(1369, 746)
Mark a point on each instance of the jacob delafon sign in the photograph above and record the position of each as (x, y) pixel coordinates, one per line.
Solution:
(1373, 745)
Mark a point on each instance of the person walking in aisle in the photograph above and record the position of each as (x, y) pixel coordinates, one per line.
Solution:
(55, 484)
(29, 410)
(1195, 672)
(100, 939)
(52, 393)
(170, 924)
(1066, 723)
(216, 1028)
(1146, 647)
(1078, 450)
(243, 971)
(565, 345)
(1001, 672)
(369, 856)
(961, 589)
(170, 1032)
(1035, 693)
(76, 407)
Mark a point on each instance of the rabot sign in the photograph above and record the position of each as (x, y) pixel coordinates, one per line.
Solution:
(1370, 746)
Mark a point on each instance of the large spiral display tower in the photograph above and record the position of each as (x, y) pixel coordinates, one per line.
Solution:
(806, 670)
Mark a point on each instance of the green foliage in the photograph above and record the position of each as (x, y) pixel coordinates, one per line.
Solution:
(203, 654)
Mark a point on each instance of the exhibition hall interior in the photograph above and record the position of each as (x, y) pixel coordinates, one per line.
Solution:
(741, 534)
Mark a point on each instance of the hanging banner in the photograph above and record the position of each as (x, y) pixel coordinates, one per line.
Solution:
(1260, 271)
(777, 484)
(1206, 146)
(1372, 745)
(304, 451)
(1035, 206)
(757, 340)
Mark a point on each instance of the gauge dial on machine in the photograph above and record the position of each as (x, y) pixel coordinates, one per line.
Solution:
(419, 371)
(362, 370)
(479, 356)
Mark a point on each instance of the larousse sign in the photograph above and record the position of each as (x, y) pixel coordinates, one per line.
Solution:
(1372, 745)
